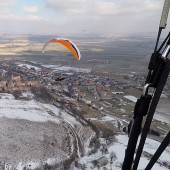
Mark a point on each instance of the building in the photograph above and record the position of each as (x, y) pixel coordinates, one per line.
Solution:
(102, 161)
(17, 78)
(32, 83)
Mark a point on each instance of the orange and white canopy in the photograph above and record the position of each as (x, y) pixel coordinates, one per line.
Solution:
(67, 43)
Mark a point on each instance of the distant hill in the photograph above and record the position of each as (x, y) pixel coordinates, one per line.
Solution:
(114, 52)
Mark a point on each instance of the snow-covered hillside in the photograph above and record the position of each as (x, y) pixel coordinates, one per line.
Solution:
(118, 148)
(35, 134)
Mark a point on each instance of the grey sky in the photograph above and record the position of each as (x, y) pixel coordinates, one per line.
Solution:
(108, 17)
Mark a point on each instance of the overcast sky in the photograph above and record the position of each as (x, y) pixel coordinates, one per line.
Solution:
(79, 16)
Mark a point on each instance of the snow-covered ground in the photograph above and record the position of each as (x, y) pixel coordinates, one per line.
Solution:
(31, 110)
(162, 113)
(132, 98)
(28, 110)
(80, 70)
(55, 68)
(28, 94)
(29, 66)
(67, 68)
(62, 114)
(33, 133)
(118, 148)
(51, 66)
(162, 116)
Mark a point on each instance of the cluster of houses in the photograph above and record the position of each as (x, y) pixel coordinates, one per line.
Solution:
(15, 83)
(86, 87)
(14, 78)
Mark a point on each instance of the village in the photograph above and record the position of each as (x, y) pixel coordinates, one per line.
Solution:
(91, 93)
(103, 101)
(81, 85)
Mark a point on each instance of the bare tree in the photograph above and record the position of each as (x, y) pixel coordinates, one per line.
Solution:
(60, 113)
(112, 158)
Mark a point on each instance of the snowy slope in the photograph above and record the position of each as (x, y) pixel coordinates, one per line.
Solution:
(33, 132)
(29, 110)
(118, 147)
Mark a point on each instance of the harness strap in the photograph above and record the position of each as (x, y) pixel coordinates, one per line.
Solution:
(155, 58)
(159, 151)
(142, 105)
(134, 134)
(151, 111)
(145, 103)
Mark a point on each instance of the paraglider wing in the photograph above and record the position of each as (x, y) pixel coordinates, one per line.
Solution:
(67, 43)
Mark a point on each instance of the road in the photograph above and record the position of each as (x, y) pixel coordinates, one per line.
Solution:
(70, 129)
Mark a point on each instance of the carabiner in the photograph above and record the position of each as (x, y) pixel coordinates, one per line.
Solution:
(145, 89)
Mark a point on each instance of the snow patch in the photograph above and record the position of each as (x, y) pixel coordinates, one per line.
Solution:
(118, 148)
(28, 94)
(6, 96)
(62, 114)
(29, 66)
(132, 98)
(18, 109)
(67, 68)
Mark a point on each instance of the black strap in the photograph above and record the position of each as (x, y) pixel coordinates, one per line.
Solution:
(158, 37)
(129, 153)
(163, 43)
(141, 109)
(155, 57)
(156, 78)
(156, 54)
(157, 73)
(142, 105)
(151, 111)
(159, 151)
